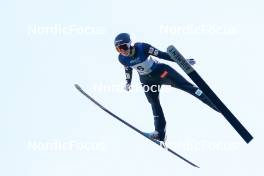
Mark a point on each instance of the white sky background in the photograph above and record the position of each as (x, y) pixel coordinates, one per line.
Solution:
(40, 105)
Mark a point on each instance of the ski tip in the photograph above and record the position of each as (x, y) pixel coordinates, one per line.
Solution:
(77, 86)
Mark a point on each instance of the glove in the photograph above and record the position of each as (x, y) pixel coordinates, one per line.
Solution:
(191, 61)
(127, 86)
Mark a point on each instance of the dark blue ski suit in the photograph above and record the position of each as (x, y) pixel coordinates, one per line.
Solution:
(153, 74)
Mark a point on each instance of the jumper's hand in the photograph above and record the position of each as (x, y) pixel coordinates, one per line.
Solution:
(191, 61)
(127, 87)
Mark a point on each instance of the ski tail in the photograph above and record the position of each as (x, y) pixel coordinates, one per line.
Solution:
(132, 127)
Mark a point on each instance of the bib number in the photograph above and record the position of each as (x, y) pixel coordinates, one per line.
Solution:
(140, 68)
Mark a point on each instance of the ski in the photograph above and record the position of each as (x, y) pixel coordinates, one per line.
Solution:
(189, 70)
(161, 144)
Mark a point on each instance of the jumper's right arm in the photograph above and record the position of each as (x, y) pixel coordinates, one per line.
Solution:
(128, 71)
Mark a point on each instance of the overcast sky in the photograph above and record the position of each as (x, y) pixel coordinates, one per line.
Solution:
(48, 128)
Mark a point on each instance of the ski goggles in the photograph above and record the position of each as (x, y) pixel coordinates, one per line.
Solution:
(123, 47)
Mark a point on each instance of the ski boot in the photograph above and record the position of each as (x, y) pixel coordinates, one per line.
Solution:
(156, 136)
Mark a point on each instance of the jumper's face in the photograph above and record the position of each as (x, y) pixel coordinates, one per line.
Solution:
(123, 49)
